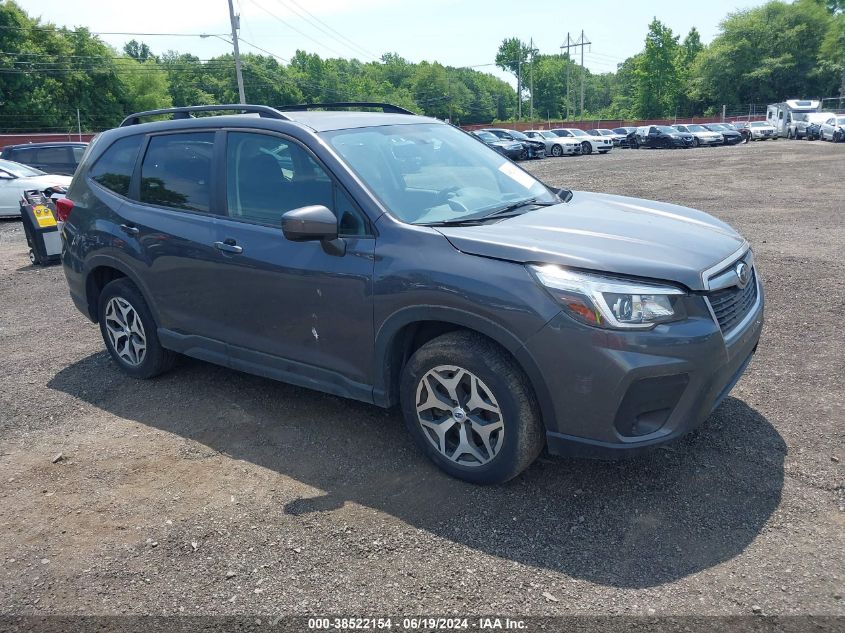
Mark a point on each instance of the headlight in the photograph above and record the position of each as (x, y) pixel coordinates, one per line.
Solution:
(608, 302)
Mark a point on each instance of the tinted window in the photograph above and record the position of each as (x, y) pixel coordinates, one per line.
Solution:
(176, 171)
(114, 168)
(53, 155)
(267, 176)
(25, 156)
(77, 153)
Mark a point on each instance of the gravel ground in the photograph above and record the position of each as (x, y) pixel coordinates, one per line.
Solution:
(207, 491)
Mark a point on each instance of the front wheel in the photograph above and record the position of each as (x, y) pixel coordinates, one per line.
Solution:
(696, 142)
(470, 408)
(557, 150)
(130, 332)
(586, 148)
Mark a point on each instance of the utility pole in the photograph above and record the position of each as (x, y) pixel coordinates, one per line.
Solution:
(518, 84)
(531, 80)
(78, 124)
(236, 20)
(582, 42)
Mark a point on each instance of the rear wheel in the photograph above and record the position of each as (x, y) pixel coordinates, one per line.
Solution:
(523, 155)
(470, 408)
(557, 150)
(696, 142)
(130, 332)
(586, 147)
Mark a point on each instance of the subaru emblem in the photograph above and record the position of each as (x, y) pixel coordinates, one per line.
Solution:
(743, 273)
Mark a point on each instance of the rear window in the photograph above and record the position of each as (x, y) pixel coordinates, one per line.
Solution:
(114, 168)
(176, 171)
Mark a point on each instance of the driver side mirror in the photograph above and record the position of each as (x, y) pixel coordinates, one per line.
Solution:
(314, 223)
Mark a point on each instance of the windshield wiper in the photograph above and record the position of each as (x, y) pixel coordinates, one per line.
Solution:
(501, 213)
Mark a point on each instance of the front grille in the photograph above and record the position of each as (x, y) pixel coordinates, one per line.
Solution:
(730, 305)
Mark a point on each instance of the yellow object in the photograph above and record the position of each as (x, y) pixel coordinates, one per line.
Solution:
(44, 216)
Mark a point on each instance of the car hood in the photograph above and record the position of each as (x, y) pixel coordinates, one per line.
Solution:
(608, 233)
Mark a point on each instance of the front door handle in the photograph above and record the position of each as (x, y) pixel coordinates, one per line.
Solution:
(129, 229)
(228, 246)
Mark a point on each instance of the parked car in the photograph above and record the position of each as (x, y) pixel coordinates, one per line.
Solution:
(589, 142)
(532, 148)
(629, 134)
(16, 178)
(813, 131)
(613, 136)
(662, 137)
(833, 129)
(512, 149)
(801, 121)
(555, 145)
(733, 133)
(502, 315)
(701, 135)
(762, 131)
(53, 158)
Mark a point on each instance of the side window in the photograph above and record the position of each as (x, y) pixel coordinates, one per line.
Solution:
(77, 153)
(113, 170)
(25, 156)
(267, 176)
(176, 171)
(53, 155)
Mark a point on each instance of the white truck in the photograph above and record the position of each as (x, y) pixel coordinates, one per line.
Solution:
(781, 115)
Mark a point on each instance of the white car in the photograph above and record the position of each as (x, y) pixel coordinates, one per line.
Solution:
(802, 120)
(555, 145)
(589, 142)
(833, 129)
(702, 136)
(760, 130)
(16, 178)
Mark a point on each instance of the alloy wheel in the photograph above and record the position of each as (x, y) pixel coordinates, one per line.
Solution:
(556, 150)
(586, 148)
(125, 331)
(459, 415)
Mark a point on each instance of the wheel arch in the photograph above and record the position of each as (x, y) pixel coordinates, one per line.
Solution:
(99, 272)
(407, 330)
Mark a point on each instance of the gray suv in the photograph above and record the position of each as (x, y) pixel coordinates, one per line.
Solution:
(395, 259)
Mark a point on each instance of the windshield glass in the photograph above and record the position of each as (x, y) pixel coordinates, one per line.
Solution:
(666, 129)
(840, 120)
(759, 124)
(577, 132)
(430, 172)
(21, 171)
(549, 135)
(697, 128)
(518, 135)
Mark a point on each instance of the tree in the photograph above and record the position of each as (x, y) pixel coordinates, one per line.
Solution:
(512, 55)
(138, 51)
(656, 77)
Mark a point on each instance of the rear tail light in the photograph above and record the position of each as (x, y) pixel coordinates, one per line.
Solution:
(63, 208)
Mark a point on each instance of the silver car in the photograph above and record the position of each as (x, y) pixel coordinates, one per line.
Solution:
(701, 135)
(16, 178)
(833, 129)
(555, 145)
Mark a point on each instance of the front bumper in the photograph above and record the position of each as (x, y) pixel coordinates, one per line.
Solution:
(614, 392)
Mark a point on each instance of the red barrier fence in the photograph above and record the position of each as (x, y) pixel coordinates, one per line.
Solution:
(15, 139)
(586, 125)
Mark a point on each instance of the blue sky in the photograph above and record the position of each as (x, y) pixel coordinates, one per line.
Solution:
(454, 32)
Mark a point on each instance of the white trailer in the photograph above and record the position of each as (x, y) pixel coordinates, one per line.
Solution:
(780, 115)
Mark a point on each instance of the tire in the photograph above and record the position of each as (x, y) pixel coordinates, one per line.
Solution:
(586, 148)
(503, 391)
(33, 258)
(696, 142)
(523, 155)
(557, 150)
(837, 137)
(121, 305)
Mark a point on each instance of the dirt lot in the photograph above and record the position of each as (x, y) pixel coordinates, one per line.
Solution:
(212, 492)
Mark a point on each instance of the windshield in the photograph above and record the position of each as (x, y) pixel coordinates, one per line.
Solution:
(840, 120)
(551, 135)
(518, 135)
(430, 172)
(759, 124)
(605, 132)
(21, 171)
(697, 128)
(577, 132)
(666, 129)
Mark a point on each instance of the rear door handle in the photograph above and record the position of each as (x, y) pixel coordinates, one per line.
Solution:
(228, 246)
(129, 229)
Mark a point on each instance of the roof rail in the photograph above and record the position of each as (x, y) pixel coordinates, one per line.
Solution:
(385, 107)
(185, 112)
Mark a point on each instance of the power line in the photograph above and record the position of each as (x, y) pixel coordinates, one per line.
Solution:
(328, 30)
(293, 28)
